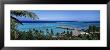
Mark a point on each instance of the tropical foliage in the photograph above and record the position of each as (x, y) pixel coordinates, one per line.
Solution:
(33, 34)
(15, 21)
(40, 35)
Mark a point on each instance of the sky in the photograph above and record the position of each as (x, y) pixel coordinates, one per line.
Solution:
(65, 15)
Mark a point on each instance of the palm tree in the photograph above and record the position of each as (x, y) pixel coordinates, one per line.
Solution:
(22, 13)
(15, 21)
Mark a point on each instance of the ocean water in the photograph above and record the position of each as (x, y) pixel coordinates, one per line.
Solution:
(53, 26)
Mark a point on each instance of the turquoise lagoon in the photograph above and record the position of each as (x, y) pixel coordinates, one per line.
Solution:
(54, 26)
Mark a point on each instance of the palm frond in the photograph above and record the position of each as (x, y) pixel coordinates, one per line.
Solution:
(16, 20)
(24, 13)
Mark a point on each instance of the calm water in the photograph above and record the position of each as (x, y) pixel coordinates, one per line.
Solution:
(53, 26)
